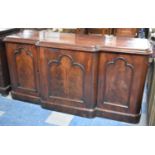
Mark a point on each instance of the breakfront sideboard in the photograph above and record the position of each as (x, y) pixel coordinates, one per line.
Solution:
(4, 72)
(79, 74)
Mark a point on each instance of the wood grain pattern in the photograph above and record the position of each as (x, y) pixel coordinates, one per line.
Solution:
(66, 78)
(25, 68)
(118, 80)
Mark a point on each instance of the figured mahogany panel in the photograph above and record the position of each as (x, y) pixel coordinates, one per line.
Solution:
(66, 78)
(118, 80)
(25, 68)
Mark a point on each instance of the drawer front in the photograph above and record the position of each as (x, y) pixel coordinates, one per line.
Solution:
(121, 82)
(22, 60)
(69, 77)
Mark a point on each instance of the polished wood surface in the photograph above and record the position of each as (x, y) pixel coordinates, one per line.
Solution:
(4, 72)
(79, 74)
(25, 36)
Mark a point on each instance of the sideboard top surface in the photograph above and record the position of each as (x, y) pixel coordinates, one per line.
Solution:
(91, 43)
(25, 36)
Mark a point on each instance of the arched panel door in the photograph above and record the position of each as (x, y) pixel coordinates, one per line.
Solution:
(118, 81)
(23, 67)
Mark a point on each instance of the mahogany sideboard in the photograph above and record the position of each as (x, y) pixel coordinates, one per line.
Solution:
(4, 72)
(79, 74)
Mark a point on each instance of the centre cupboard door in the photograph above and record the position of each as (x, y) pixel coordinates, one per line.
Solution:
(22, 61)
(69, 80)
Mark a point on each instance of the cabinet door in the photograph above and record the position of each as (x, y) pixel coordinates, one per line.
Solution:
(121, 82)
(69, 77)
(22, 61)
